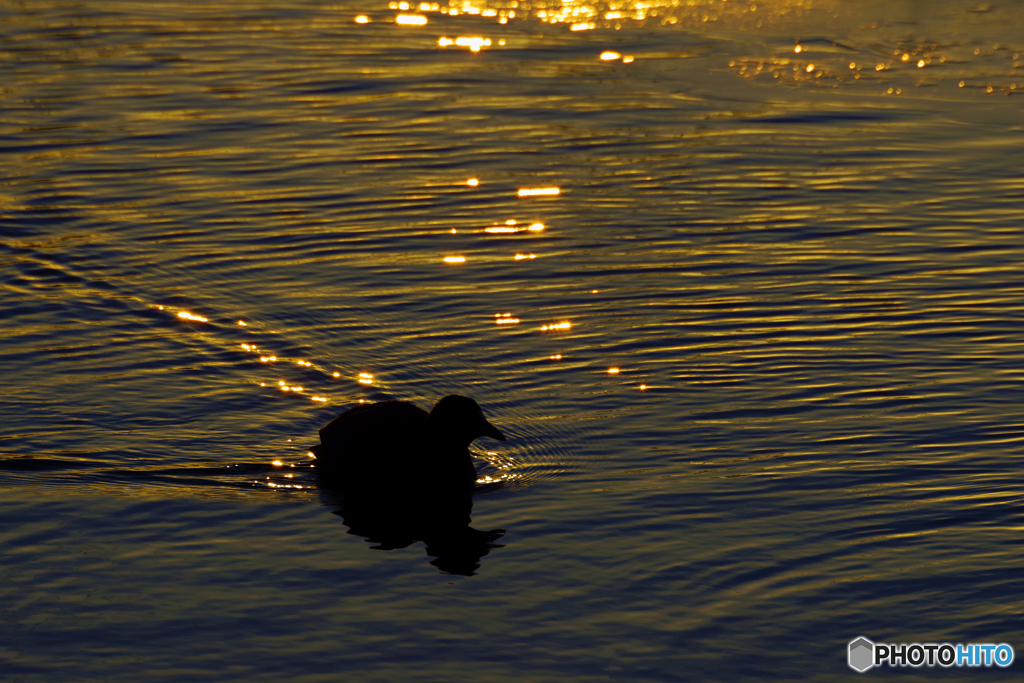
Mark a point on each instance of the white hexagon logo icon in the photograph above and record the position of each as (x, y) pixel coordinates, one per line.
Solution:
(861, 654)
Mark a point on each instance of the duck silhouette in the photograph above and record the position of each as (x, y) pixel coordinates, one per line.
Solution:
(397, 445)
(398, 475)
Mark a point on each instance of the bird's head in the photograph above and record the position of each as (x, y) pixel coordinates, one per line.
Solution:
(460, 419)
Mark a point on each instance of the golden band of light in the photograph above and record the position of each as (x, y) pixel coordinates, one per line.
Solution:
(411, 20)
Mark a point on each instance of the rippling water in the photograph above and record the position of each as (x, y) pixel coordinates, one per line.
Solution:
(759, 359)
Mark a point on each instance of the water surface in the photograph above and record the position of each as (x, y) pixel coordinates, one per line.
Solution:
(792, 227)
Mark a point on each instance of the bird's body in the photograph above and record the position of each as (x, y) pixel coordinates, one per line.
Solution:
(396, 445)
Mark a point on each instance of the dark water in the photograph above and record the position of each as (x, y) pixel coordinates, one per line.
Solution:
(805, 265)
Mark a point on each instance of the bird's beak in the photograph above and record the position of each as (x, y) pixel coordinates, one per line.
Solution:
(490, 430)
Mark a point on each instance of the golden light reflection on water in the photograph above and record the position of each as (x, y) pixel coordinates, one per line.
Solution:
(743, 15)
(539, 191)
(511, 227)
(504, 464)
(363, 378)
(411, 20)
(585, 15)
(474, 43)
(285, 386)
(910, 58)
(919, 63)
(572, 287)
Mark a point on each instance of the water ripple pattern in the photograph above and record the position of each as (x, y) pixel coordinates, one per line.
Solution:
(739, 280)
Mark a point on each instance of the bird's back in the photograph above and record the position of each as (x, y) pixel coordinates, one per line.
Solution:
(371, 440)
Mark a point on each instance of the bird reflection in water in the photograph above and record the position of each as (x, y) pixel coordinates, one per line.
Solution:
(400, 475)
